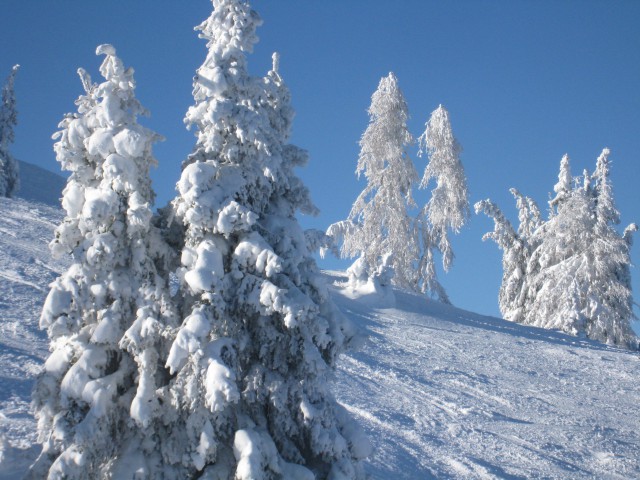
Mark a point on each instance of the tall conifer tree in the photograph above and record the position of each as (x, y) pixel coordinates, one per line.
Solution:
(448, 207)
(379, 228)
(251, 358)
(570, 272)
(106, 315)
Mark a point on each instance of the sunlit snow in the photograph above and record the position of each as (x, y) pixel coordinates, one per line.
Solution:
(441, 392)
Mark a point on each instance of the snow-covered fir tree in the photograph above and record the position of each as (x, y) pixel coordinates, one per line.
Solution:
(250, 362)
(106, 316)
(579, 273)
(597, 262)
(520, 266)
(564, 186)
(391, 244)
(9, 176)
(448, 207)
(516, 249)
(576, 265)
(379, 228)
(554, 269)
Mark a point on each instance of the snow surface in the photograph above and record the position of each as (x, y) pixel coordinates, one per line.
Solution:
(445, 393)
(26, 269)
(441, 392)
(40, 185)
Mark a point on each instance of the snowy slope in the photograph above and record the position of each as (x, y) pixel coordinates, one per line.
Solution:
(443, 393)
(26, 269)
(40, 185)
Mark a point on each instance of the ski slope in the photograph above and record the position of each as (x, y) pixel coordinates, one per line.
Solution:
(445, 393)
(26, 269)
(441, 392)
(40, 185)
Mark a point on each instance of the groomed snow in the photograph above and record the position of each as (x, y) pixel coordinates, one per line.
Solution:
(26, 269)
(442, 393)
(445, 393)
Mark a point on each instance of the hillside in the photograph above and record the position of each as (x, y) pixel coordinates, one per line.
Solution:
(26, 269)
(40, 185)
(442, 393)
(445, 393)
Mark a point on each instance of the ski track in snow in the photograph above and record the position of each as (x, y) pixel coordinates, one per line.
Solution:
(445, 393)
(442, 393)
(26, 269)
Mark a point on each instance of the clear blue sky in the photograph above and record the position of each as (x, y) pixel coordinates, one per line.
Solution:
(524, 81)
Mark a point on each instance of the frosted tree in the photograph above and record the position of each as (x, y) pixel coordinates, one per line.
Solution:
(9, 175)
(607, 279)
(624, 276)
(564, 186)
(250, 362)
(574, 274)
(529, 216)
(582, 283)
(379, 228)
(516, 247)
(605, 209)
(448, 207)
(555, 287)
(106, 316)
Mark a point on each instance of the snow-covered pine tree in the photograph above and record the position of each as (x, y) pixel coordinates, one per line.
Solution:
(529, 216)
(379, 228)
(607, 280)
(448, 207)
(625, 274)
(606, 213)
(574, 274)
(96, 398)
(250, 362)
(516, 248)
(564, 186)
(581, 284)
(555, 289)
(9, 177)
